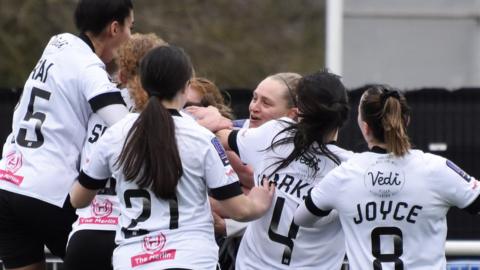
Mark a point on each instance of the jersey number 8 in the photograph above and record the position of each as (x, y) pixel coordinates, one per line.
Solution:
(380, 257)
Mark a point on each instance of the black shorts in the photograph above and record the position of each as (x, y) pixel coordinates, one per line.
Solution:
(27, 225)
(90, 249)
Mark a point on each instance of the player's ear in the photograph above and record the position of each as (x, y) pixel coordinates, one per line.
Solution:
(114, 28)
(293, 113)
(365, 128)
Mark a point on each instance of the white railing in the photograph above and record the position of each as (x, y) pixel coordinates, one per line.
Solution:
(453, 248)
(462, 248)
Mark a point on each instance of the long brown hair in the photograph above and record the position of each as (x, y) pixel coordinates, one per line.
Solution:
(386, 112)
(150, 154)
(322, 102)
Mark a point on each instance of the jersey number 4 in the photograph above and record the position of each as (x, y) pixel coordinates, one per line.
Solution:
(30, 115)
(281, 239)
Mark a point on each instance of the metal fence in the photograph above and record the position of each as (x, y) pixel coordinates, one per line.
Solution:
(456, 251)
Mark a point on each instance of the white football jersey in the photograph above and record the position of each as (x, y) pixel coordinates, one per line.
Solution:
(50, 121)
(104, 211)
(274, 241)
(157, 233)
(393, 210)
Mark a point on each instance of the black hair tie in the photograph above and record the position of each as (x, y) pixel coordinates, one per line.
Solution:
(154, 94)
(389, 93)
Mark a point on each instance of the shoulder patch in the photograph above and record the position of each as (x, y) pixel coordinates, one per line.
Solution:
(220, 151)
(459, 171)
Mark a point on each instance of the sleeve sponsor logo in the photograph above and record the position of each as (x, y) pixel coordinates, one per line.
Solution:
(220, 151)
(459, 171)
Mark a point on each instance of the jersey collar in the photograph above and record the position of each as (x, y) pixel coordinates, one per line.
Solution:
(85, 39)
(174, 112)
(378, 150)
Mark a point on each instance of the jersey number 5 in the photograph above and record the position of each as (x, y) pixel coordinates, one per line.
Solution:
(380, 257)
(39, 116)
(284, 240)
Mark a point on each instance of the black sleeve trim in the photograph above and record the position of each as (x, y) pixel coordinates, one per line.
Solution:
(106, 99)
(314, 209)
(226, 192)
(91, 183)
(474, 207)
(232, 141)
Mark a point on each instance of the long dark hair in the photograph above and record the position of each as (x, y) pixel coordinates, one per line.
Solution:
(386, 112)
(323, 108)
(150, 155)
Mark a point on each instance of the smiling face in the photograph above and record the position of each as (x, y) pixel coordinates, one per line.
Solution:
(269, 102)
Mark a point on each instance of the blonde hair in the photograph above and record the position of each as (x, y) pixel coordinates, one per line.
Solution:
(290, 80)
(128, 60)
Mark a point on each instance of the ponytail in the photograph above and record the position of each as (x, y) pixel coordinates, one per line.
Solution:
(150, 155)
(387, 114)
(394, 128)
(149, 145)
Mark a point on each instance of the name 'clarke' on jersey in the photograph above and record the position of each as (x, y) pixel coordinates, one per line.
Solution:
(275, 241)
(388, 222)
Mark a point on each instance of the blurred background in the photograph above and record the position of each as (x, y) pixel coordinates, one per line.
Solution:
(430, 49)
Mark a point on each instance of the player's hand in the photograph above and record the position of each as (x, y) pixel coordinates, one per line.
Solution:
(219, 224)
(262, 195)
(209, 117)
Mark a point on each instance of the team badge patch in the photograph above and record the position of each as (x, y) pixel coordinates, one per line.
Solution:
(220, 151)
(101, 209)
(152, 244)
(459, 171)
(154, 252)
(13, 162)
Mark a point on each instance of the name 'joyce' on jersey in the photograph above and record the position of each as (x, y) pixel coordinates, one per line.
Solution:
(399, 211)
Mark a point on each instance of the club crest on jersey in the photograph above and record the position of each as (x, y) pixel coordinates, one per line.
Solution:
(102, 207)
(221, 152)
(384, 179)
(152, 244)
(13, 162)
(459, 171)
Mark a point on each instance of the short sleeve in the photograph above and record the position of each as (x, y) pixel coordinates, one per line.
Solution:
(323, 196)
(97, 88)
(250, 142)
(96, 170)
(456, 186)
(221, 179)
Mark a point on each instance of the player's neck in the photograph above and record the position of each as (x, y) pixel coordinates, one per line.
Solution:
(98, 45)
(172, 104)
(377, 144)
